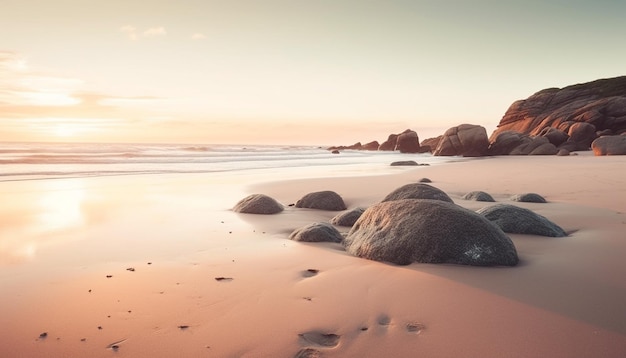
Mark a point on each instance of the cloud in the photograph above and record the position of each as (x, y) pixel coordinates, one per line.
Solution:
(198, 36)
(130, 31)
(155, 31)
(135, 34)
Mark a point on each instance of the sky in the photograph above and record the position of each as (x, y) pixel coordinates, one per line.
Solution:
(288, 72)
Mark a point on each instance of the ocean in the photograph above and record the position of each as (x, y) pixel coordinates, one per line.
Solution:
(28, 161)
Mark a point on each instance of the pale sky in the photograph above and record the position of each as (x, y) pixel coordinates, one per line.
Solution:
(288, 72)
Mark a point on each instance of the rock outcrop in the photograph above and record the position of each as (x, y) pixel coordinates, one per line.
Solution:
(582, 111)
(418, 191)
(516, 220)
(322, 200)
(467, 140)
(609, 145)
(258, 204)
(429, 231)
(316, 232)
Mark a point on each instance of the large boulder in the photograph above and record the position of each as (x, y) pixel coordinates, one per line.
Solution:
(535, 146)
(322, 200)
(609, 145)
(418, 191)
(581, 135)
(516, 220)
(348, 218)
(468, 140)
(408, 142)
(429, 231)
(390, 143)
(554, 135)
(316, 232)
(601, 103)
(258, 204)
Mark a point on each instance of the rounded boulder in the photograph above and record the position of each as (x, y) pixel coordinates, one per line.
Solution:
(322, 200)
(316, 232)
(516, 220)
(258, 204)
(428, 231)
(417, 191)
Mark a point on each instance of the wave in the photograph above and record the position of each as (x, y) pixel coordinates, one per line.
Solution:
(20, 161)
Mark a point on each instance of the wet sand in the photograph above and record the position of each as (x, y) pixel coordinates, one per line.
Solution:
(158, 266)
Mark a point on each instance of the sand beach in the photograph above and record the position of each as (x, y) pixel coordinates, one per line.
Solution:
(159, 266)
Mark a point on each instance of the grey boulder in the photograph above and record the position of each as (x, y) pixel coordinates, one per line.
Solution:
(478, 196)
(322, 200)
(258, 204)
(428, 231)
(417, 191)
(348, 218)
(529, 198)
(516, 220)
(316, 232)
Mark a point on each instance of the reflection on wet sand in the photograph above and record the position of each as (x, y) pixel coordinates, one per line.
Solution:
(36, 213)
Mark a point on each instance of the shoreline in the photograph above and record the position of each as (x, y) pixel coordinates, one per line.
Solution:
(564, 299)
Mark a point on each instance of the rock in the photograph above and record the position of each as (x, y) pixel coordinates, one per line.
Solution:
(554, 136)
(424, 180)
(609, 145)
(600, 103)
(529, 198)
(478, 196)
(563, 152)
(404, 163)
(258, 204)
(428, 231)
(408, 142)
(335, 151)
(431, 142)
(371, 146)
(534, 146)
(348, 218)
(516, 220)
(467, 140)
(390, 143)
(582, 134)
(505, 142)
(322, 200)
(316, 232)
(417, 191)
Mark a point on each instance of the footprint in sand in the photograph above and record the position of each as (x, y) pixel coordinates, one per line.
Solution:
(308, 353)
(384, 320)
(317, 338)
(416, 328)
(309, 273)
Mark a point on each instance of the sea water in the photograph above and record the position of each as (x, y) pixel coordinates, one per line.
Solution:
(24, 161)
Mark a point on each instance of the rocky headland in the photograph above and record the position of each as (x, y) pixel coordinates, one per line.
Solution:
(553, 121)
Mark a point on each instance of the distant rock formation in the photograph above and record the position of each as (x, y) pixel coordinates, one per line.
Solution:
(582, 112)
(428, 231)
(467, 140)
(405, 142)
